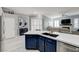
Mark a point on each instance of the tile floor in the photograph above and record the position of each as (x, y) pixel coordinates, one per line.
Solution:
(22, 48)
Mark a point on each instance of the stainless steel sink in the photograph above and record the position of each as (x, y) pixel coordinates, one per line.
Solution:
(53, 35)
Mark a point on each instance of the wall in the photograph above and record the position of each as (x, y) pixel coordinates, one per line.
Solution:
(1, 11)
(0, 26)
(72, 20)
(46, 20)
(0, 33)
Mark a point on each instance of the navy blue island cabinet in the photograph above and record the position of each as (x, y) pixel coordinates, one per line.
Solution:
(50, 45)
(31, 41)
(43, 44)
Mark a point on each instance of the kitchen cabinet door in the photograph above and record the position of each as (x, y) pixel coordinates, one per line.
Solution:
(50, 45)
(30, 42)
(41, 44)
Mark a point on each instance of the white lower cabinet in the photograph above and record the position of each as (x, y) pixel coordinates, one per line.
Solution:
(63, 47)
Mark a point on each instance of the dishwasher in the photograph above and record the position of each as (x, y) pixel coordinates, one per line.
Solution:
(64, 47)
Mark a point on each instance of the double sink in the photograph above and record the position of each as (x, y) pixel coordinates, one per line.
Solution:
(53, 35)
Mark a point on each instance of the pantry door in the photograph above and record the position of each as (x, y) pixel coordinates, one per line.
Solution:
(9, 26)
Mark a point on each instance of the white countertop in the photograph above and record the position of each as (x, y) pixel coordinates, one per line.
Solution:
(63, 37)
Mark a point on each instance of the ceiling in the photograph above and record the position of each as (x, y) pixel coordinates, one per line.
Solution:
(50, 11)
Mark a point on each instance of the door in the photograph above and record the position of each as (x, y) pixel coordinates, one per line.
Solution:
(10, 27)
(30, 42)
(41, 44)
(50, 45)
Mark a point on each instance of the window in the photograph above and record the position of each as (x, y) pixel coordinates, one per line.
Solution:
(76, 21)
(36, 24)
(51, 23)
(54, 23)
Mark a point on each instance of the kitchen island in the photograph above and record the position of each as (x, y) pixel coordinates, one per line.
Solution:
(69, 39)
